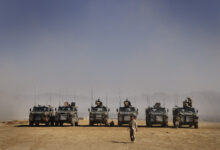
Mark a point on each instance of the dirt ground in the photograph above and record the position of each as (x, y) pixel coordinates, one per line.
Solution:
(17, 135)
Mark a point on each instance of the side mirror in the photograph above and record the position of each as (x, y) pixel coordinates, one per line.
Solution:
(117, 109)
(88, 109)
(30, 109)
(108, 109)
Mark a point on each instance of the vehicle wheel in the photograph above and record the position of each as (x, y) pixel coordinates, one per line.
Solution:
(56, 123)
(76, 124)
(30, 123)
(52, 123)
(90, 123)
(47, 124)
(180, 125)
(61, 124)
(196, 126)
(149, 124)
(119, 124)
(106, 123)
(112, 124)
(164, 125)
(37, 124)
(190, 125)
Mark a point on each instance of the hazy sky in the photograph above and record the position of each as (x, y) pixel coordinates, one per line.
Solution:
(139, 46)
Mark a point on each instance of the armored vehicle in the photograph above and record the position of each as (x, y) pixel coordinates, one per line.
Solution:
(41, 114)
(125, 113)
(156, 115)
(186, 115)
(98, 114)
(67, 114)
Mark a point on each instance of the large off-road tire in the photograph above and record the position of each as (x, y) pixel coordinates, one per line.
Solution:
(106, 123)
(196, 125)
(164, 124)
(90, 123)
(119, 124)
(51, 123)
(180, 124)
(30, 123)
(112, 124)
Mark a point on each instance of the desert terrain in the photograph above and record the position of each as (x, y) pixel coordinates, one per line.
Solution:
(17, 135)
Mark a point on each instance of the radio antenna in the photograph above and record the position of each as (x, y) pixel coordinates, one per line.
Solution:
(91, 96)
(119, 94)
(34, 96)
(163, 102)
(134, 101)
(106, 100)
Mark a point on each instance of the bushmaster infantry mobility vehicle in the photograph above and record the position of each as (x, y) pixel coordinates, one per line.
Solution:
(41, 114)
(156, 115)
(67, 114)
(98, 114)
(186, 115)
(125, 113)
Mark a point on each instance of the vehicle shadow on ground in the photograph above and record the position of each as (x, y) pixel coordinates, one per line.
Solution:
(95, 126)
(124, 126)
(41, 126)
(122, 142)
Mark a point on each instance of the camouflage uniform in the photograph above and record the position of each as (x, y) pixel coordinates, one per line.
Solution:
(133, 128)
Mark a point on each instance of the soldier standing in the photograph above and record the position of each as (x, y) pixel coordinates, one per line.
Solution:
(133, 128)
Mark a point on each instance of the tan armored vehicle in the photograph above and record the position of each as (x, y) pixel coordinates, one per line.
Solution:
(125, 113)
(156, 115)
(186, 115)
(41, 114)
(67, 114)
(98, 114)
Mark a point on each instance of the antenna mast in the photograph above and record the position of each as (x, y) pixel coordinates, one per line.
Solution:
(119, 94)
(35, 96)
(50, 99)
(107, 100)
(91, 96)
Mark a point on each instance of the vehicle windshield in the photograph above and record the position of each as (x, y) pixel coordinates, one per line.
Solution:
(187, 110)
(158, 110)
(98, 109)
(66, 109)
(127, 109)
(37, 109)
